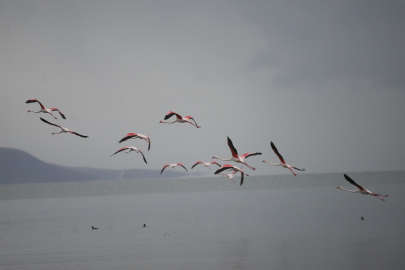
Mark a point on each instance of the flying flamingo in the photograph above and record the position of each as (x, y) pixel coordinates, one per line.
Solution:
(136, 136)
(229, 175)
(361, 190)
(130, 149)
(207, 164)
(235, 157)
(172, 165)
(179, 119)
(283, 163)
(63, 129)
(232, 168)
(43, 109)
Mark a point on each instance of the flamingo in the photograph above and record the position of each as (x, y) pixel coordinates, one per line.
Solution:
(179, 119)
(63, 129)
(136, 136)
(207, 164)
(43, 109)
(235, 157)
(130, 149)
(232, 168)
(283, 163)
(229, 175)
(361, 190)
(173, 165)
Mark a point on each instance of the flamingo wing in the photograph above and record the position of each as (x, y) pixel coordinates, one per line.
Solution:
(128, 136)
(251, 154)
(276, 152)
(164, 167)
(170, 114)
(144, 159)
(61, 114)
(216, 163)
(351, 181)
(223, 168)
(49, 123)
(120, 150)
(198, 162)
(233, 149)
(78, 134)
(182, 166)
(32, 100)
(189, 117)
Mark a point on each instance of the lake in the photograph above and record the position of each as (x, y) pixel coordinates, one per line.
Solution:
(270, 222)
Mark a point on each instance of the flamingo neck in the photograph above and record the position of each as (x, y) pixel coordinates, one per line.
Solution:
(273, 163)
(353, 191)
(229, 159)
(167, 122)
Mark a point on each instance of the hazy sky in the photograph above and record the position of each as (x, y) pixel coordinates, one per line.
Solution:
(323, 80)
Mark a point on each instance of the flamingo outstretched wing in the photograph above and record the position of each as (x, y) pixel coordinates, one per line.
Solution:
(170, 114)
(164, 167)
(233, 149)
(251, 154)
(189, 117)
(72, 132)
(195, 164)
(120, 150)
(276, 152)
(49, 123)
(32, 100)
(61, 114)
(351, 181)
(144, 159)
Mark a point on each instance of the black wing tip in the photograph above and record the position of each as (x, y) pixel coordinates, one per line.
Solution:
(43, 120)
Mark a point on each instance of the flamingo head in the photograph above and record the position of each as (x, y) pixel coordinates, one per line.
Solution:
(160, 122)
(198, 127)
(214, 157)
(339, 187)
(53, 133)
(29, 111)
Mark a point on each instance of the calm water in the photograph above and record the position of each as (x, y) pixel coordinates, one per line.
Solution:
(271, 222)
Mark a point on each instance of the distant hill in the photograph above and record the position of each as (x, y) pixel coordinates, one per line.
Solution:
(17, 167)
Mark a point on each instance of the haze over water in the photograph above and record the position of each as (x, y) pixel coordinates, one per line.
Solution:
(270, 222)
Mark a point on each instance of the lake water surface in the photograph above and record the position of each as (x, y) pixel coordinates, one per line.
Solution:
(270, 222)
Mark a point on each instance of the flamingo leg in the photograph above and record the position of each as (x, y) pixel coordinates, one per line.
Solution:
(292, 171)
(250, 166)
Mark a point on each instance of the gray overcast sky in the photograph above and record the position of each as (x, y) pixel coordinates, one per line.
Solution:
(323, 80)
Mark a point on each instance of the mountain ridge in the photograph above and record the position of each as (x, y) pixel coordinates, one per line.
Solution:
(18, 167)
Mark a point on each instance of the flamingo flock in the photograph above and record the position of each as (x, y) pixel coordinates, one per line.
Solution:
(222, 168)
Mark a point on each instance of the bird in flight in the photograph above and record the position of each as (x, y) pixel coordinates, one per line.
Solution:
(229, 175)
(43, 109)
(206, 164)
(63, 129)
(230, 167)
(173, 165)
(130, 149)
(179, 119)
(361, 190)
(136, 136)
(283, 163)
(235, 157)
